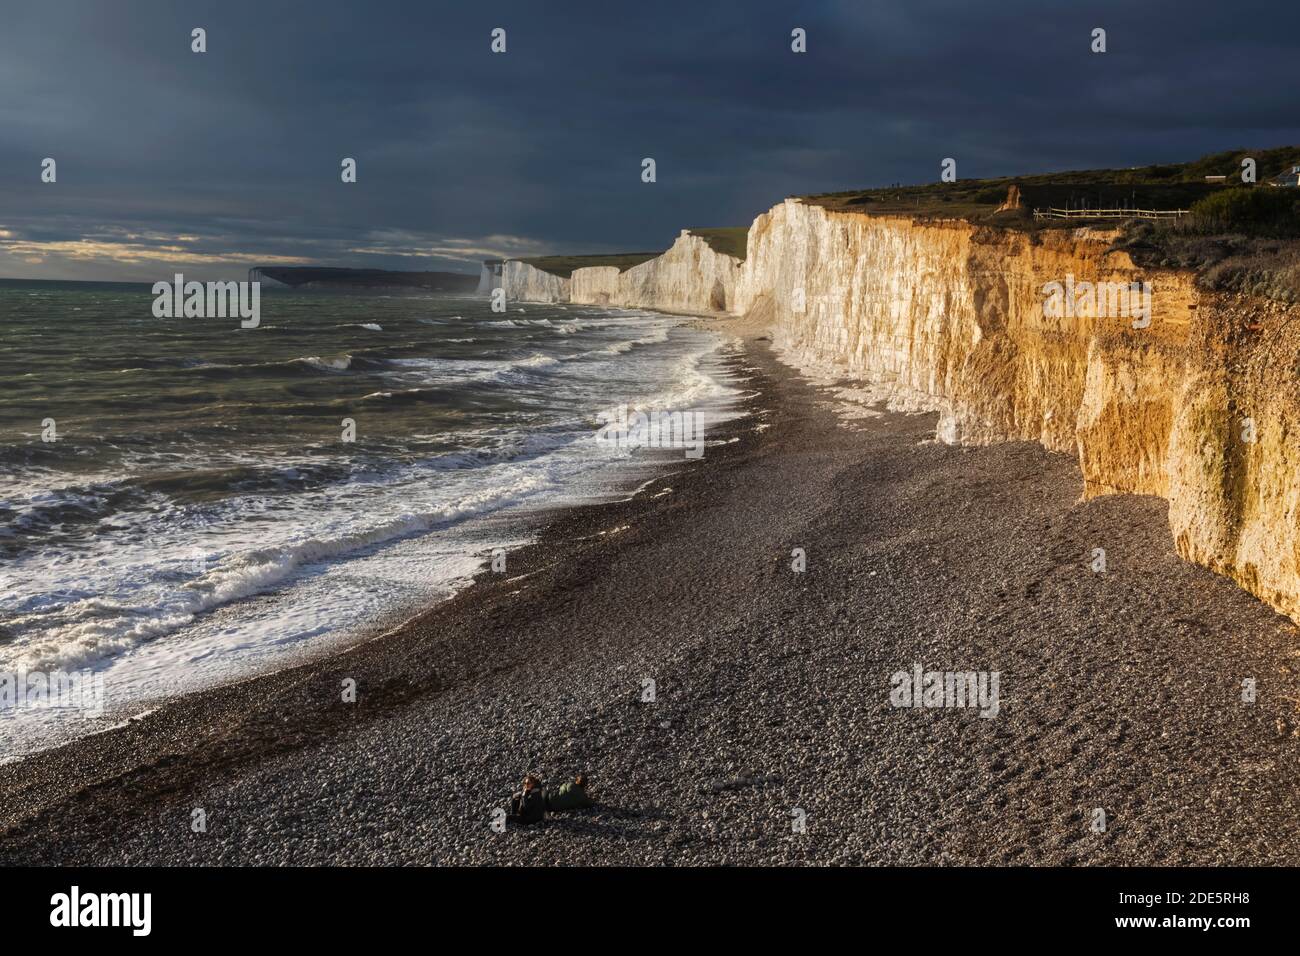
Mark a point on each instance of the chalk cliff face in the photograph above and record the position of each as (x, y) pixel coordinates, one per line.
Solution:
(1200, 405)
(689, 277)
(523, 283)
(949, 316)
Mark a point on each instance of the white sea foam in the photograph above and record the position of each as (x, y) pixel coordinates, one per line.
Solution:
(328, 365)
(90, 629)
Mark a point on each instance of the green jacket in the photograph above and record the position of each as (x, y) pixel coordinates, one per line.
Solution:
(570, 796)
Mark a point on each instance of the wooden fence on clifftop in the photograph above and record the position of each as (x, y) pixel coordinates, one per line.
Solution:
(1121, 213)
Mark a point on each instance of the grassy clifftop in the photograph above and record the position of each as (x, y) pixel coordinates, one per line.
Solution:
(1166, 186)
(728, 240)
(563, 266)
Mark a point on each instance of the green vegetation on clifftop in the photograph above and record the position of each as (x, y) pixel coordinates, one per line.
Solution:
(728, 240)
(1165, 186)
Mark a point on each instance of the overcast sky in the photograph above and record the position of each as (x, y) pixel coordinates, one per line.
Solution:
(168, 160)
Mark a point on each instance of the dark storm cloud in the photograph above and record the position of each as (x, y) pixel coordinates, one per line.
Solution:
(220, 159)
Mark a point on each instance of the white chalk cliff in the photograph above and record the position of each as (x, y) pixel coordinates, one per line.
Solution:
(689, 277)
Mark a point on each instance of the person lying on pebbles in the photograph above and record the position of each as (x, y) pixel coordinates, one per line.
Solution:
(570, 796)
(528, 806)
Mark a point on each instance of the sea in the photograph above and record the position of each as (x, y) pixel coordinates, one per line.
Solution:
(186, 503)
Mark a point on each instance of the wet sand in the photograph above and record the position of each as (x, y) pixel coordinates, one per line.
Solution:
(1120, 690)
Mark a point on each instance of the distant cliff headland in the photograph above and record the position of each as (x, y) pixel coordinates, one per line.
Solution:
(1008, 307)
